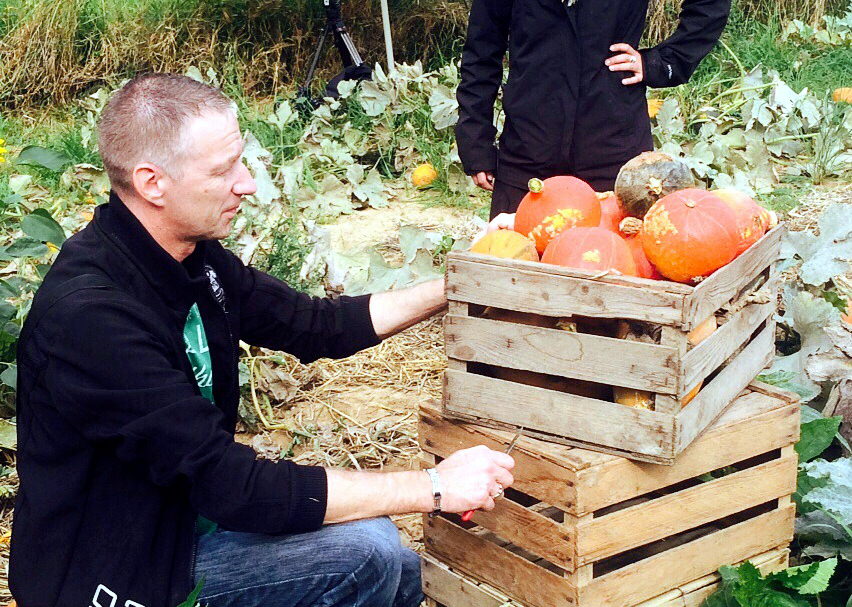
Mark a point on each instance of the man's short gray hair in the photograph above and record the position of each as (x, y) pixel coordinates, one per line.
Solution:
(145, 121)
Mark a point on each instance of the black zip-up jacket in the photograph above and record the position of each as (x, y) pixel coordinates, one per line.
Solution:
(118, 452)
(565, 112)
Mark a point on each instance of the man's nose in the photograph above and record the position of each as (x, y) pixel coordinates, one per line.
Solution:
(245, 185)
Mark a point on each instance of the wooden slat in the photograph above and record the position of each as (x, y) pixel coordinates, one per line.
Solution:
(665, 516)
(677, 566)
(550, 482)
(586, 419)
(694, 593)
(577, 355)
(551, 295)
(716, 290)
(620, 479)
(453, 590)
(707, 356)
(774, 391)
(540, 535)
(716, 395)
(546, 268)
(485, 561)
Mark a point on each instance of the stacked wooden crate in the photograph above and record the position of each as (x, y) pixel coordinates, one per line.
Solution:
(593, 519)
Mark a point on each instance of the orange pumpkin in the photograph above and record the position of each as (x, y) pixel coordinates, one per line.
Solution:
(554, 205)
(611, 213)
(690, 234)
(507, 244)
(750, 224)
(695, 337)
(643, 399)
(629, 229)
(594, 249)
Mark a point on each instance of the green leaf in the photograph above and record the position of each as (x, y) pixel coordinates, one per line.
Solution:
(192, 599)
(807, 579)
(816, 436)
(835, 496)
(35, 155)
(7, 289)
(26, 247)
(44, 229)
(8, 435)
(7, 312)
(787, 380)
(10, 375)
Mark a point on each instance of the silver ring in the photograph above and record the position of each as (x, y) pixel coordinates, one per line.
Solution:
(499, 491)
(632, 58)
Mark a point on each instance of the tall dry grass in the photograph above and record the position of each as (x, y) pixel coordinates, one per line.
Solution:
(52, 50)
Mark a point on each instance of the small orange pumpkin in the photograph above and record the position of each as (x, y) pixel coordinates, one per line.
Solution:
(750, 221)
(554, 205)
(507, 244)
(595, 249)
(690, 234)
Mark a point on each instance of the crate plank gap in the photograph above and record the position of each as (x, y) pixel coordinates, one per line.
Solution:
(742, 295)
(585, 528)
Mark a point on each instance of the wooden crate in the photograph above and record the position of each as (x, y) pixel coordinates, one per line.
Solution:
(725, 362)
(445, 587)
(584, 528)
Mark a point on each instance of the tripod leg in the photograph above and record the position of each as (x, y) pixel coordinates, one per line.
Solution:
(315, 61)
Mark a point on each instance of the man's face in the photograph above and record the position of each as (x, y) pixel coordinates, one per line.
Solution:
(202, 202)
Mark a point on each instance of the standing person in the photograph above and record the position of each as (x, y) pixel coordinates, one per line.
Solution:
(575, 97)
(128, 390)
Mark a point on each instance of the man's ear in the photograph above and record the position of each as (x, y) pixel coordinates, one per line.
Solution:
(149, 183)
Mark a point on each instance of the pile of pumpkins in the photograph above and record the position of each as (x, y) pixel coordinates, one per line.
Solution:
(655, 225)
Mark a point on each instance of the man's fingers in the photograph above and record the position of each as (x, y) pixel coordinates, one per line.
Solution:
(622, 47)
(625, 67)
(504, 477)
(623, 58)
(633, 80)
(504, 460)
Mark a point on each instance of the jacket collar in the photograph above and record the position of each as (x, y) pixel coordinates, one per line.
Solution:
(178, 284)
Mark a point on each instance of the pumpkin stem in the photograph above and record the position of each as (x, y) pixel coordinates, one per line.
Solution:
(690, 204)
(536, 185)
(630, 226)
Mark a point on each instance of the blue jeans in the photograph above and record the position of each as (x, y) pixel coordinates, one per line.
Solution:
(357, 564)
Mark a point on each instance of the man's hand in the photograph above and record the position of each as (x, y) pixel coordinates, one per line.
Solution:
(485, 180)
(470, 478)
(503, 221)
(629, 60)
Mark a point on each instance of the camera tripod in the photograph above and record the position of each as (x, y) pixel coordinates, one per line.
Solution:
(354, 67)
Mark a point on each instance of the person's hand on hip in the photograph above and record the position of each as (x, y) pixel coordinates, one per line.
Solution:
(628, 60)
(485, 180)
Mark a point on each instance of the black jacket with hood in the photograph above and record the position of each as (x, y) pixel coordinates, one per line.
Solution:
(118, 452)
(566, 113)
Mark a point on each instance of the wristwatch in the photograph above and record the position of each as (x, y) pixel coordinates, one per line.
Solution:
(436, 490)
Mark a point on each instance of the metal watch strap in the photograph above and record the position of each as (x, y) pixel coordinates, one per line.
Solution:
(436, 490)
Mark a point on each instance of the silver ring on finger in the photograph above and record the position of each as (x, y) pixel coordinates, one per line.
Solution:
(632, 58)
(499, 492)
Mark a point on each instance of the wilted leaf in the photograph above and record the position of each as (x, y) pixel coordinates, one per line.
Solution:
(332, 199)
(445, 108)
(257, 158)
(282, 116)
(372, 190)
(830, 253)
(373, 99)
(8, 435)
(835, 496)
(812, 578)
